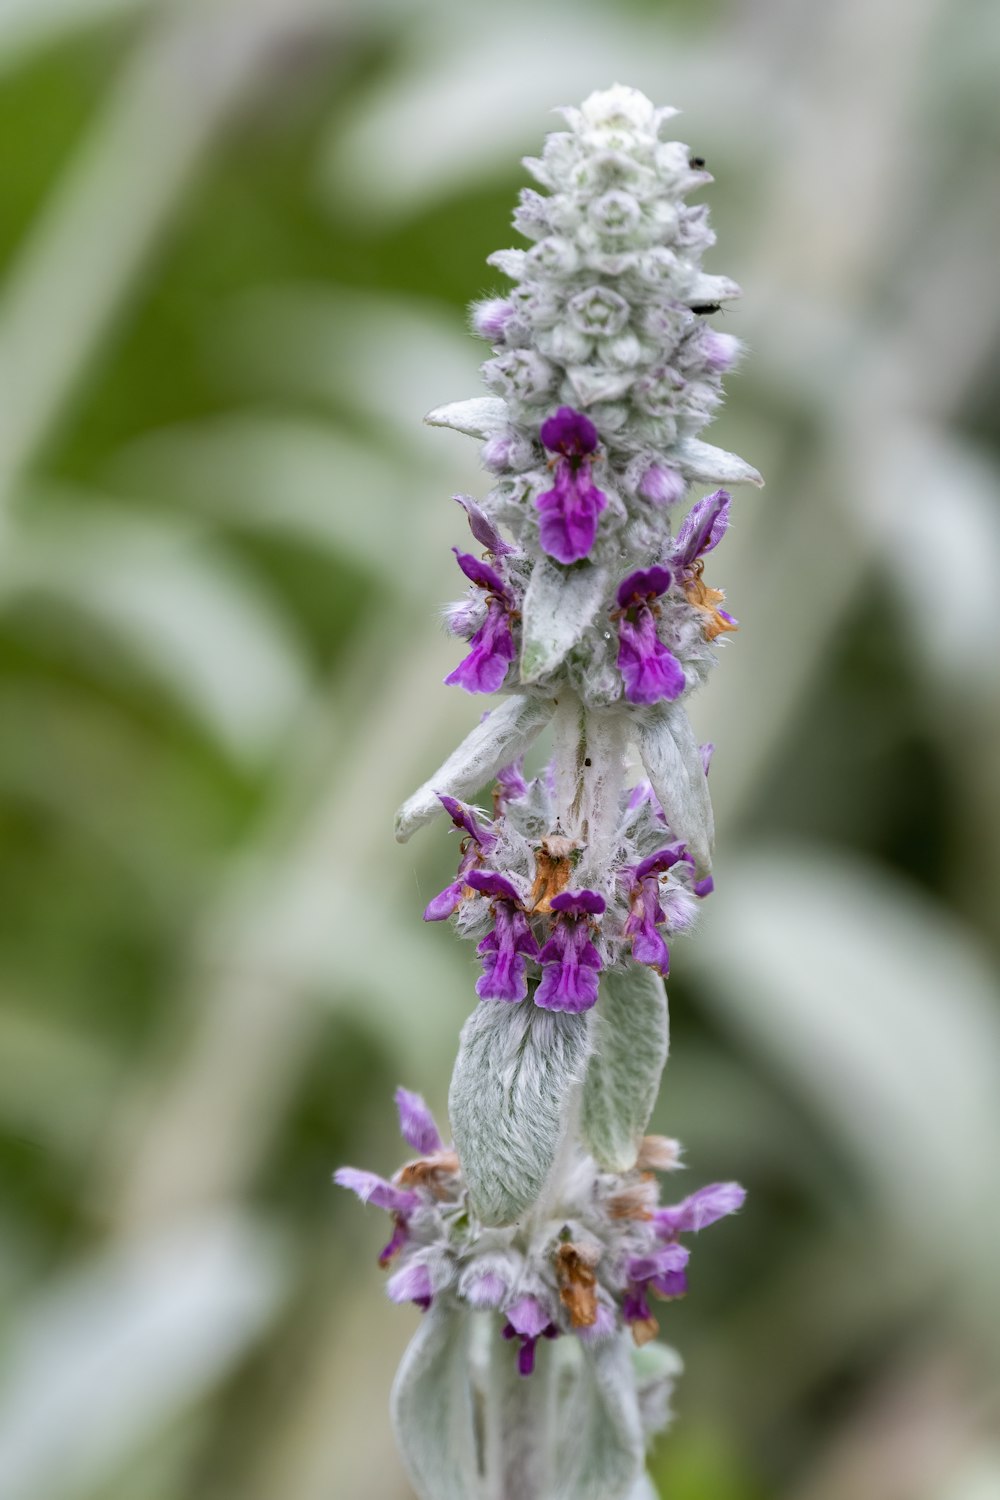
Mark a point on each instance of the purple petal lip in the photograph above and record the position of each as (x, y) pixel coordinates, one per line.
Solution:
(416, 1123)
(704, 887)
(441, 906)
(704, 527)
(663, 859)
(482, 574)
(647, 583)
(485, 667)
(492, 884)
(371, 1188)
(410, 1284)
(483, 529)
(528, 1317)
(670, 1258)
(570, 433)
(576, 903)
(649, 670)
(702, 1208)
(670, 1284)
(569, 512)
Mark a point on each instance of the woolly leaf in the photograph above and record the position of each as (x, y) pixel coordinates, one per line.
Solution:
(599, 1443)
(432, 1411)
(498, 739)
(630, 1048)
(709, 465)
(559, 604)
(657, 1368)
(479, 417)
(672, 758)
(511, 1099)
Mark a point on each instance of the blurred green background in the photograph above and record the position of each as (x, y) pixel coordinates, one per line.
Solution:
(237, 242)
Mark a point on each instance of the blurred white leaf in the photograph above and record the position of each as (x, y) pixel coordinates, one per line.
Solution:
(301, 476)
(933, 514)
(876, 1005)
(181, 606)
(117, 1349)
(452, 117)
(29, 25)
(383, 354)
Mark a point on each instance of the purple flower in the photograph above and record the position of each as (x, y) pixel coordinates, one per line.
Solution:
(479, 841)
(507, 948)
(400, 1202)
(662, 1272)
(570, 960)
(569, 510)
(411, 1283)
(702, 1208)
(490, 318)
(371, 1188)
(511, 785)
(650, 671)
(643, 880)
(483, 529)
(485, 667)
(703, 528)
(416, 1123)
(464, 818)
(661, 486)
(528, 1321)
(487, 1290)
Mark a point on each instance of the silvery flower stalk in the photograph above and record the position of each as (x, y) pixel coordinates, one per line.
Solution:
(536, 1244)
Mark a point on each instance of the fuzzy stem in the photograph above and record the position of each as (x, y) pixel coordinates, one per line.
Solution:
(518, 1412)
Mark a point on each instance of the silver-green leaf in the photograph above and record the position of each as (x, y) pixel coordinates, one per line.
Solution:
(512, 1096)
(432, 1407)
(600, 1453)
(631, 1040)
(559, 604)
(501, 737)
(479, 417)
(672, 758)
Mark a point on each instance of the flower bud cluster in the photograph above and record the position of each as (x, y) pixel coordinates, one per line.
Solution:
(605, 368)
(589, 1265)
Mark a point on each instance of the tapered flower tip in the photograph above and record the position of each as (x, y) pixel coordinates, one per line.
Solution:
(371, 1188)
(479, 572)
(704, 527)
(410, 1284)
(702, 1208)
(416, 1123)
(570, 433)
(491, 884)
(647, 583)
(528, 1317)
(578, 903)
(482, 528)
